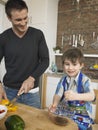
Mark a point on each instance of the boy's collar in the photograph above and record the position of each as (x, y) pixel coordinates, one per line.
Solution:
(74, 78)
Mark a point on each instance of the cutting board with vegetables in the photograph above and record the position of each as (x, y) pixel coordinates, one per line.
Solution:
(36, 119)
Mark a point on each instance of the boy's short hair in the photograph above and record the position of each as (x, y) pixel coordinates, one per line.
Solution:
(14, 5)
(73, 54)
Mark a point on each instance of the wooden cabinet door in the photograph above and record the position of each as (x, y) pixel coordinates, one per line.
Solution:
(49, 84)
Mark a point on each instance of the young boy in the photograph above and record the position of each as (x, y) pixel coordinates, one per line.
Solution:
(74, 92)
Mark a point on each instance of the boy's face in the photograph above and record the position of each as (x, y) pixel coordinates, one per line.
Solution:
(72, 69)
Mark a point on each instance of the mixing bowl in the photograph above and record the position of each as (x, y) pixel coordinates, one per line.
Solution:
(58, 119)
(3, 111)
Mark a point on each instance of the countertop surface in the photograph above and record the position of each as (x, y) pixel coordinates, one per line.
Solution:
(60, 75)
(37, 119)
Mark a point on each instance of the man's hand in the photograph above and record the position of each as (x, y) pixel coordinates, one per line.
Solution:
(2, 93)
(27, 85)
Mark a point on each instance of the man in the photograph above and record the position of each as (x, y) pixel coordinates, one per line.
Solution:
(26, 56)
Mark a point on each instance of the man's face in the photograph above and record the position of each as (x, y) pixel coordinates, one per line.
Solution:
(19, 20)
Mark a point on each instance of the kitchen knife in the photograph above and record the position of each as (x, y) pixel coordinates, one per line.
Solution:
(15, 99)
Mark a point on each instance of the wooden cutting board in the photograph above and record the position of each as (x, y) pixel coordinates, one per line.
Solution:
(37, 119)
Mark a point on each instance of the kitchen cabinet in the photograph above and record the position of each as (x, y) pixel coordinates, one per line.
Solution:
(85, 55)
(95, 84)
(49, 83)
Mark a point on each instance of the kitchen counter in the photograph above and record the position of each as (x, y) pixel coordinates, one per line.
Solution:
(60, 75)
(37, 119)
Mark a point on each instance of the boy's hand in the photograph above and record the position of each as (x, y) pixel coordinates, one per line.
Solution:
(70, 95)
(52, 108)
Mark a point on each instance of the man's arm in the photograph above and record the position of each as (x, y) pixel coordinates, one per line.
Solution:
(43, 53)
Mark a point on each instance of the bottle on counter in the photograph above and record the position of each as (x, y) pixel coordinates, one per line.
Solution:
(53, 67)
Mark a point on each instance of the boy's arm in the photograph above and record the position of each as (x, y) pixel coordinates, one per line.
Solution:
(70, 95)
(90, 96)
(56, 100)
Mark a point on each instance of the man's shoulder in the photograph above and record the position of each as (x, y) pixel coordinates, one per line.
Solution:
(6, 31)
(32, 29)
(5, 35)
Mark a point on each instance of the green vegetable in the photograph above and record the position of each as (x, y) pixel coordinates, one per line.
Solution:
(14, 122)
